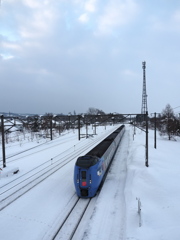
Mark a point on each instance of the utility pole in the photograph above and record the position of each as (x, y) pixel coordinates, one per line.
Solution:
(51, 135)
(79, 127)
(155, 130)
(3, 141)
(146, 163)
(86, 130)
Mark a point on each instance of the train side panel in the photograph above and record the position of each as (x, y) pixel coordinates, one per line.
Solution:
(108, 155)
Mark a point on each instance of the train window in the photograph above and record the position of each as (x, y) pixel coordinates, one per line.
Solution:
(86, 161)
(83, 175)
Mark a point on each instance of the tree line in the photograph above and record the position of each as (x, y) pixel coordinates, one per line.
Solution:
(167, 122)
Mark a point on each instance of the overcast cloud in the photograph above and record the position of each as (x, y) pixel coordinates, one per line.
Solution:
(61, 56)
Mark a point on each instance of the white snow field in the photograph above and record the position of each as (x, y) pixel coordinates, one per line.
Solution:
(114, 212)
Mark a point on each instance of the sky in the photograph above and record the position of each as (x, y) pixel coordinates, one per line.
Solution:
(67, 56)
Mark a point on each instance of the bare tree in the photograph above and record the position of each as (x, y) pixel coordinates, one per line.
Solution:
(168, 120)
(94, 111)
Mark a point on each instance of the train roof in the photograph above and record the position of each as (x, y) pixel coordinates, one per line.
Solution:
(101, 148)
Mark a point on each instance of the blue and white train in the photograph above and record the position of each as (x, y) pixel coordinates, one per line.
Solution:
(90, 169)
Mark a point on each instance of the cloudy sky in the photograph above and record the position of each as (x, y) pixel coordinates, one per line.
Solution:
(61, 56)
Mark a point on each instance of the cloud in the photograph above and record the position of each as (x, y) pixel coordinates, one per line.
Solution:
(176, 16)
(6, 56)
(90, 5)
(26, 26)
(28, 18)
(176, 20)
(86, 5)
(115, 14)
(129, 73)
(9, 49)
(88, 8)
(84, 18)
(10, 45)
(39, 21)
(32, 3)
(170, 22)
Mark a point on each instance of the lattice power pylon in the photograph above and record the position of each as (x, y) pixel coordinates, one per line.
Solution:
(144, 108)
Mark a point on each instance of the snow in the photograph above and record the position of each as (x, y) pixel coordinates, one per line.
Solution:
(9, 171)
(114, 212)
(156, 186)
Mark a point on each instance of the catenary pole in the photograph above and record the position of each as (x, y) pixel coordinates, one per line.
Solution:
(51, 129)
(155, 130)
(79, 136)
(3, 141)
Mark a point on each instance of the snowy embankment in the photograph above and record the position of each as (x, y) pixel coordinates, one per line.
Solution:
(157, 187)
(115, 215)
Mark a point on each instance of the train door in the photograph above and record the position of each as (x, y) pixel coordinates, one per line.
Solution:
(84, 181)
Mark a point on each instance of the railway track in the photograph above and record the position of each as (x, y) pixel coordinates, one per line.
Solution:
(15, 189)
(29, 153)
(70, 224)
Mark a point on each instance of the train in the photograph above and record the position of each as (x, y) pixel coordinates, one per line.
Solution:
(90, 169)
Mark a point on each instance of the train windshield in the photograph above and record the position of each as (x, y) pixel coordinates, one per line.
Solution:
(86, 161)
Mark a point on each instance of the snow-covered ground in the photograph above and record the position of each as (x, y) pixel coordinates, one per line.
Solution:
(115, 215)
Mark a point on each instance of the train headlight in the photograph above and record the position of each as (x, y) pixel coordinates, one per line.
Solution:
(84, 184)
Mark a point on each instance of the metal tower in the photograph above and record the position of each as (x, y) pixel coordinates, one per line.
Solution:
(144, 108)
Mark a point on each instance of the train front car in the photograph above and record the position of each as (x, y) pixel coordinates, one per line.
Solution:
(90, 169)
(86, 179)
